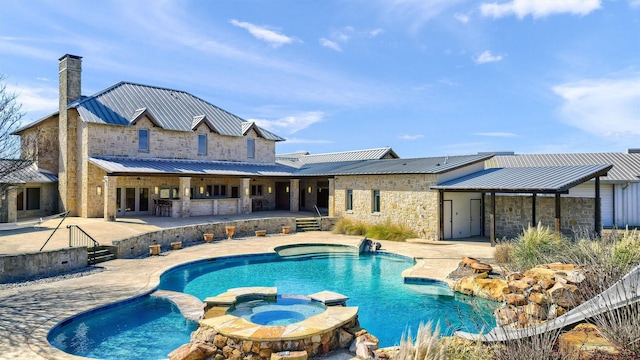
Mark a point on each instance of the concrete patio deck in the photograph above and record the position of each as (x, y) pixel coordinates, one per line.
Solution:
(27, 313)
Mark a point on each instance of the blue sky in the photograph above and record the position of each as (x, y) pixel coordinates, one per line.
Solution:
(428, 78)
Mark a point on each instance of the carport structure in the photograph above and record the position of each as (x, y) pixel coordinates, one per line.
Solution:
(549, 180)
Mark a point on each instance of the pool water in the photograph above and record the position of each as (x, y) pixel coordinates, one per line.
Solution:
(146, 328)
(387, 305)
(284, 310)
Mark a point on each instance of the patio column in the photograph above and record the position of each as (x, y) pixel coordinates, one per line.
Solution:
(110, 183)
(557, 221)
(12, 204)
(294, 195)
(533, 210)
(332, 203)
(597, 210)
(492, 219)
(440, 215)
(245, 199)
(185, 196)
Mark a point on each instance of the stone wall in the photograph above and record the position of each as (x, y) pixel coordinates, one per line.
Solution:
(110, 140)
(404, 199)
(513, 214)
(48, 200)
(136, 246)
(40, 142)
(49, 263)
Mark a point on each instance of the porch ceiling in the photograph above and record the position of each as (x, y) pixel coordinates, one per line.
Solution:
(548, 179)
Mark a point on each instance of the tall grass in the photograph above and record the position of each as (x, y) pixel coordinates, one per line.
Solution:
(386, 231)
(609, 259)
(425, 347)
(535, 246)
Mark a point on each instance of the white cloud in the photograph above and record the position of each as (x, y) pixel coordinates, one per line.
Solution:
(291, 124)
(634, 3)
(487, 57)
(36, 99)
(272, 37)
(375, 32)
(410, 137)
(539, 8)
(496, 134)
(604, 107)
(462, 18)
(330, 44)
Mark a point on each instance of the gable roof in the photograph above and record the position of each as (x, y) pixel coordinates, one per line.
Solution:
(626, 167)
(429, 165)
(550, 179)
(304, 157)
(124, 103)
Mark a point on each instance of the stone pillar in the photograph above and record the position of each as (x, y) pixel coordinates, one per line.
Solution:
(245, 198)
(294, 195)
(185, 196)
(110, 183)
(12, 204)
(332, 202)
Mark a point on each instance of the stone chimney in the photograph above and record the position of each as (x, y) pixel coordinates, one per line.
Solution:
(70, 69)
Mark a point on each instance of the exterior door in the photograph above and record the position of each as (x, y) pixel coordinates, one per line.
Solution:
(282, 196)
(476, 218)
(132, 201)
(447, 214)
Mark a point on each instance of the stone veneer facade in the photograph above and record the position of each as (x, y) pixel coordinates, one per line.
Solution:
(513, 214)
(404, 199)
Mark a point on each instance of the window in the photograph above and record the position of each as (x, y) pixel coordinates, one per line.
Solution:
(376, 201)
(349, 200)
(251, 148)
(143, 140)
(256, 190)
(216, 190)
(202, 144)
(28, 199)
(169, 193)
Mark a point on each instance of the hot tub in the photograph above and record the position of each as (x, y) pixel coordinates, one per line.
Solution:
(284, 310)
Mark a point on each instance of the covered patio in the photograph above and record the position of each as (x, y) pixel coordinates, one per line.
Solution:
(553, 181)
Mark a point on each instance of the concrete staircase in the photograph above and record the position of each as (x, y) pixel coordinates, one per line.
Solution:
(100, 254)
(308, 224)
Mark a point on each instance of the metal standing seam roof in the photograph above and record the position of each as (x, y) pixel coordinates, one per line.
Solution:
(626, 167)
(365, 154)
(150, 166)
(430, 165)
(172, 109)
(550, 179)
(29, 174)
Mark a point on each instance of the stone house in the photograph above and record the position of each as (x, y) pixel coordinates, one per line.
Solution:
(138, 150)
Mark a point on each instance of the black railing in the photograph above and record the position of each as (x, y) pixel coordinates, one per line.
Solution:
(78, 237)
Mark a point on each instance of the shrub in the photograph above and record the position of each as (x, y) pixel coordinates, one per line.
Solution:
(386, 231)
(536, 245)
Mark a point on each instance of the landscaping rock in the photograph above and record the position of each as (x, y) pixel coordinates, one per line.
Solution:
(584, 339)
(565, 295)
(492, 289)
(197, 351)
(515, 299)
(540, 273)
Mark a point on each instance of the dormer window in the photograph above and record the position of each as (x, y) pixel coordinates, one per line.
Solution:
(143, 140)
(251, 148)
(202, 144)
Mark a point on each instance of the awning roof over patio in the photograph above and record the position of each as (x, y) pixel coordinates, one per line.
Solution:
(548, 179)
(118, 166)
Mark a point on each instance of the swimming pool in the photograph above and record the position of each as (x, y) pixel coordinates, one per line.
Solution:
(387, 305)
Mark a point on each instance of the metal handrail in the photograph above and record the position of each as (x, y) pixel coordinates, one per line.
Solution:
(56, 229)
(315, 207)
(79, 237)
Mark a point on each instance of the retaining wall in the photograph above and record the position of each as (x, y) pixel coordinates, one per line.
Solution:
(136, 246)
(28, 266)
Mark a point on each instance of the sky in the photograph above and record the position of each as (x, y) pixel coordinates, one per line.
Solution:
(425, 77)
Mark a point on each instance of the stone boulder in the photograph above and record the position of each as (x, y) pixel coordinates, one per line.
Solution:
(584, 340)
(197, 351)
(565, 295)
(492, 289)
